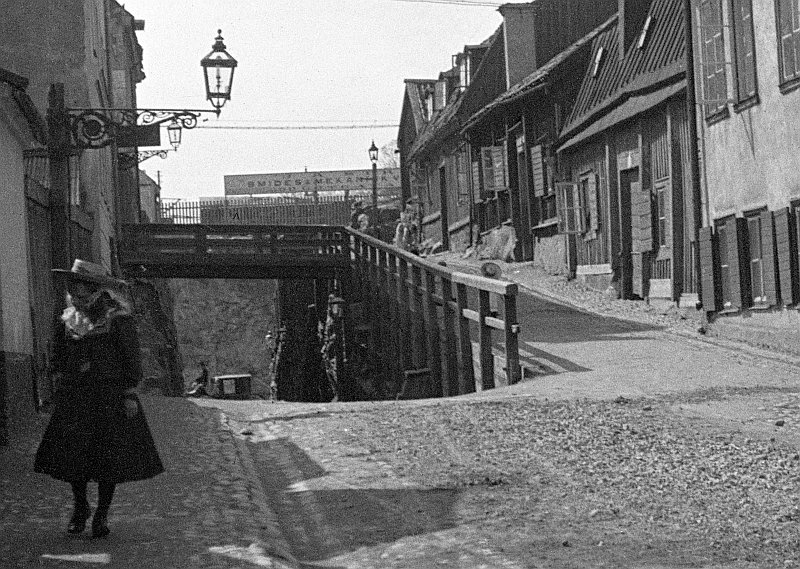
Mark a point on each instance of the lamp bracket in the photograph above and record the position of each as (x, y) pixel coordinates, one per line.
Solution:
(98, 128)
(133, 159)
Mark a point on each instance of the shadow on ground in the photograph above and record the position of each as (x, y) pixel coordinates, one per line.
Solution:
(322, 524)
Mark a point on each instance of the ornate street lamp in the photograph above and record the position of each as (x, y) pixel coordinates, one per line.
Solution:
(218, 68)
(373, 156)
(97, 128)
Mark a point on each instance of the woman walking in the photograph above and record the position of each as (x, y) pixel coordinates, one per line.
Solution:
(97, 431)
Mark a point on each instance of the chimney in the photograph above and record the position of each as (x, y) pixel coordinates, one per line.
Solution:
(632, 15)
(519, 22)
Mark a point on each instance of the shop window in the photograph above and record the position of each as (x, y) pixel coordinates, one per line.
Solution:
(788, 23)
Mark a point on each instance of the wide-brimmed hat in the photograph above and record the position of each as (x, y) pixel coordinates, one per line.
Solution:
(89, 272)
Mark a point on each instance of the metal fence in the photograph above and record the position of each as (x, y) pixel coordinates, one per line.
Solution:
(269, 210)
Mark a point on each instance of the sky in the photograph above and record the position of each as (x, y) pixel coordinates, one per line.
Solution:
(301, 63)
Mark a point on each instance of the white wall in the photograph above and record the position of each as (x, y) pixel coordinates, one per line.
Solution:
(16, 333)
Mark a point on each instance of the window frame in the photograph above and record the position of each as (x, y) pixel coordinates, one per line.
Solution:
(755, 259)
(719, 108)
(741, 30)
(787, 84)
(569, 209)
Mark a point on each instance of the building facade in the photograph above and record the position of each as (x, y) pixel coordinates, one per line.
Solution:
(21, 131)
(626, 202)
(747, 66)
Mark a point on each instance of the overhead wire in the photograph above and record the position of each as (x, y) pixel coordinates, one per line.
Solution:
(298, 127)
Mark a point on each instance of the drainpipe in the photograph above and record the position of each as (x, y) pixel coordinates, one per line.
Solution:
(694, 165)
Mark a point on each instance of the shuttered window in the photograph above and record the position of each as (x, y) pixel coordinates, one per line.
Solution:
(712, 53)
(538, 167)
(744, 42)
(788, 22)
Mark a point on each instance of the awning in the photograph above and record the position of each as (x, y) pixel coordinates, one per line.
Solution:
(630, 108)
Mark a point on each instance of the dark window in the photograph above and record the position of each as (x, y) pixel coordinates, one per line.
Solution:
(744, 42)
(788, 22)
(715, 88)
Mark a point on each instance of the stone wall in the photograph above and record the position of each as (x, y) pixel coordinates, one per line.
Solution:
(225, 323)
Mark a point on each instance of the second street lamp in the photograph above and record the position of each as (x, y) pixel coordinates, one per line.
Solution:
(373, 156)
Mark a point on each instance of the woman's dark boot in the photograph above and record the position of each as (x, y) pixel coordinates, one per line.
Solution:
(105, 493)
(100, 523)
(80, 512)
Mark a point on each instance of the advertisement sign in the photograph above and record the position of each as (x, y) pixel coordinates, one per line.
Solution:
(292, 182)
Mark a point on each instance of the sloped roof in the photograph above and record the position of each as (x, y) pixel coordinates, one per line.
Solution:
(661, 60)
(538, 78)
(447, 121)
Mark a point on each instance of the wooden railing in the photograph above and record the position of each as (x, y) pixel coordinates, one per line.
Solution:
(427, 319)
(152, 245)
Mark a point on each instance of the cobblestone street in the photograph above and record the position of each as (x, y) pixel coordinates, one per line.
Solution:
(686, 455)
(206, 510)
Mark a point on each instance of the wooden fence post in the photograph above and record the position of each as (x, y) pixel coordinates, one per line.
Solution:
(432, 336)
(465, 364)
(485, 340)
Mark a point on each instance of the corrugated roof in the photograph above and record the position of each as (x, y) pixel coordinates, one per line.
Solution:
(662, 56)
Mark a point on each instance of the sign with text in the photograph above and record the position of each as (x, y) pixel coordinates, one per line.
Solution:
(291, 182)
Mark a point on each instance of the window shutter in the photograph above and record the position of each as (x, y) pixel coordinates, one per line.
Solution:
(594, 209)
(783, 248)
(537, 166)
(476, 179)
(498, 164)
(642, 218)
(488, 168)
(707, 269)
(732, 231)
(768, 263)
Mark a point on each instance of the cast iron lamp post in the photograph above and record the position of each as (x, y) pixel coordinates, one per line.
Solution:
(373, 156)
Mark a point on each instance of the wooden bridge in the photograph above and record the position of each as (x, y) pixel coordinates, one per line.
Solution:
(234, 251)
(431, 331)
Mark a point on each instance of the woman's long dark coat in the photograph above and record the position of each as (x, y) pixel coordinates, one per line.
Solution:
(89, 436)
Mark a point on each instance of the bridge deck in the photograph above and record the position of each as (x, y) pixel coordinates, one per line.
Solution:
(233, 251)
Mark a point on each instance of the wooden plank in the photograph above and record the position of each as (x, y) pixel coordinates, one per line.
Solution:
(733, 231)
(784, 256)
(708, 293)
(485, 341)
(768, 259)
(466, 382)
(513, 371)
(432, 337)
(450, 339)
